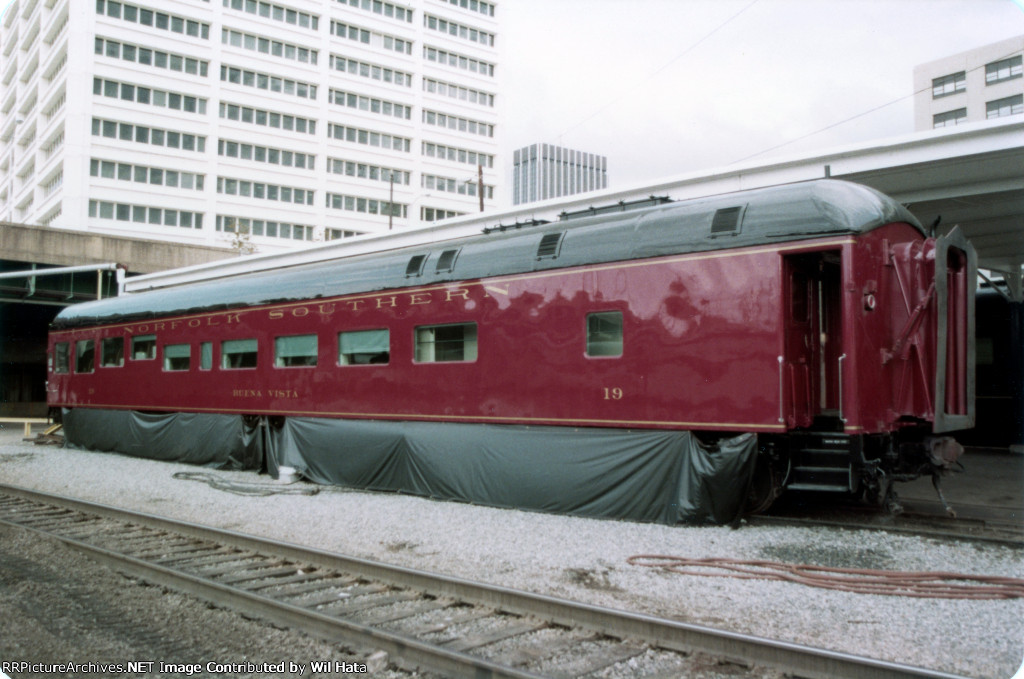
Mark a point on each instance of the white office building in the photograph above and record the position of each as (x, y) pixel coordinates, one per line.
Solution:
(980, 84)
(288, 120)
(543, 171)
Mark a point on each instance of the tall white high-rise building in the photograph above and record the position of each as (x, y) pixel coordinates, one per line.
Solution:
(543, 171)
(290, 120)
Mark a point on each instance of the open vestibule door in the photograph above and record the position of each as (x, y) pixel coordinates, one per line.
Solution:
(810, 368)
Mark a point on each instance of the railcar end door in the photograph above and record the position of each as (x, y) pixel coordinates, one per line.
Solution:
(812, 337)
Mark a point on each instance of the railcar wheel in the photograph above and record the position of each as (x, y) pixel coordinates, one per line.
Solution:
(765, 486)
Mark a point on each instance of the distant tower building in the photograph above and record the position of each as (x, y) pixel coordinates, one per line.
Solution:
(980, 84)
(543, 171)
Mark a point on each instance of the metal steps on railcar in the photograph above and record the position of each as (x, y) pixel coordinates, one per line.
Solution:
(824, 462)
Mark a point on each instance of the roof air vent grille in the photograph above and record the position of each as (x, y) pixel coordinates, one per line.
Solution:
(727, 221)
(550, 245)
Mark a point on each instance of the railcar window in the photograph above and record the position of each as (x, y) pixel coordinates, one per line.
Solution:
(364, 347)
(143, 347)
(177, 356)
(85, 356)
(235, 354)
(206, 356)
(446, 262)
(112, 349)
(443, 343)
(61, 363)
(295, 351)
(604, 333)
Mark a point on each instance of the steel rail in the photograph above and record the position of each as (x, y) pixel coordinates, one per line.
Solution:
(794, 659)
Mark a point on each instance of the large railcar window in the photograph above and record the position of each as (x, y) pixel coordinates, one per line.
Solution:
(177, 356)
(443, 343)
(61, 363)
(85, 356)
(604, 333)
(295, 351)
(143, 347)
(206, 356)
(364, 347)
(112, 352)
(235, 354)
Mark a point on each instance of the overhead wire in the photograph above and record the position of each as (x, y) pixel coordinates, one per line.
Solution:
(859, 115)
(657, 71)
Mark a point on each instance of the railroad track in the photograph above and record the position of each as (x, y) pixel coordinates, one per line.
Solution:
(422, 620)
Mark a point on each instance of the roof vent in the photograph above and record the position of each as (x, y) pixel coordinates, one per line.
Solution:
(727, 221)
(549, 245)
(446, 262)
(415, 266)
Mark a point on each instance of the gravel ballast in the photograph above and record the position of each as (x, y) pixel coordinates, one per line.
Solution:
(586, 559)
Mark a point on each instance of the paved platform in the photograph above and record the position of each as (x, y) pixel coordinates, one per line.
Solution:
(991, 478)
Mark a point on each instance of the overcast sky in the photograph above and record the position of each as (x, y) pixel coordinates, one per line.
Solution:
(665, 87)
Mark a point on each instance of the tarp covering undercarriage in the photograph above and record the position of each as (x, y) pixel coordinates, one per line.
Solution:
(222, 441)
(641, 475)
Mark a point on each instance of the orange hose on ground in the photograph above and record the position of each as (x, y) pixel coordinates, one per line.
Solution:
(940, 585)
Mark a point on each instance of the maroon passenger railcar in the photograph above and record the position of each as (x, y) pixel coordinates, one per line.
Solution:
(818, 317)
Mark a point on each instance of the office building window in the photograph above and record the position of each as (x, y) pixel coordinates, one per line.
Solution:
(370, 206)
(369, 138)
(142, 174)
(269, 10)
(265, 81)
(371, 105)
(147, 17)
(950, 118)
(256, 116)
(365, 171)
(145, 95)
(144, 214)
(150, 57)
(276, 48)
(385, 9)
(1005, 69)
(371, 71)
(250, 189)
(264, 227)
(949, 84)
(265, 154)
(1008, 106)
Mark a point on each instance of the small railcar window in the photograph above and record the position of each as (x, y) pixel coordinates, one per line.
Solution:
(295, 351)
(85, 356)
(604, 333)
(445, 343)
(236, 354)
(446, 262)
(112, 352)
(144, 347)
(364, 347)
(61, 363)
(415, 265)
(206, 356)
(177, 356)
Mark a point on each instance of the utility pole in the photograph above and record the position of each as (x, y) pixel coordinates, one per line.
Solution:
(391, 198)
(480, 184)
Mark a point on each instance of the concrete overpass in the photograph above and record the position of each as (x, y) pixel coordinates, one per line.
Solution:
(31, 294)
